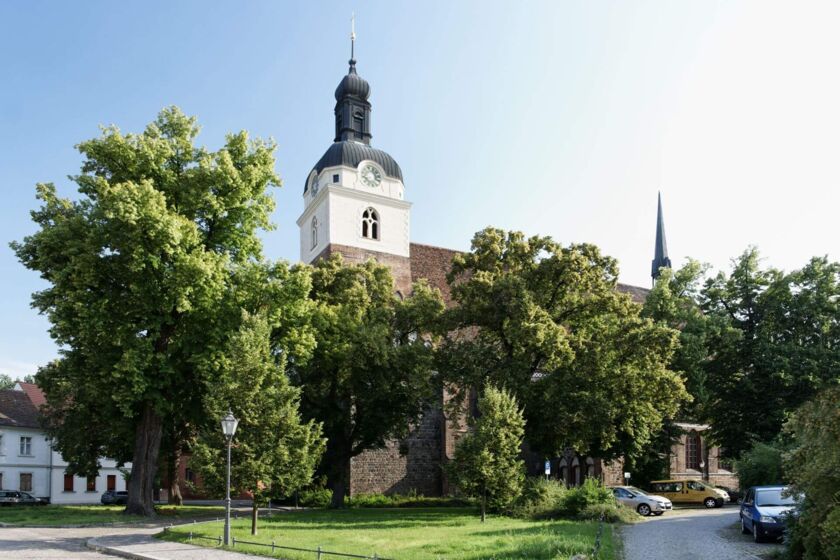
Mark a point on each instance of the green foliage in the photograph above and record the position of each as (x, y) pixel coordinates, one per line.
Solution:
(776, 341)
(551, 326)
(549, 499)
(610, 513)
(590, 493)
(6, 382)
(540, 498)
(371, 375)
(760, 465)
(137, 270)
(406, 501)
(273, 451)
(486, 464)
(673, 302)
(813, 467)
(316, 497)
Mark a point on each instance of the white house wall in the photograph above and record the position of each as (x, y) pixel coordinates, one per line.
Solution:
(47, 469)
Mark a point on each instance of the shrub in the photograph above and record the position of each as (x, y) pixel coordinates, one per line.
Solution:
(813, 464)
(540, 498)
(612, 513)
(762, 464)
(315, 497)
(406, 501)
(590, 493)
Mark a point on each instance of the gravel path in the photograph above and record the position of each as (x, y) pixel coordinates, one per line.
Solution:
(692, 534)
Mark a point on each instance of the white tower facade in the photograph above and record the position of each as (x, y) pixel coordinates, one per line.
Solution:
(354, 197)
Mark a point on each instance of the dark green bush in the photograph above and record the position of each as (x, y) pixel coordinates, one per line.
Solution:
(762, 464)
(405, 501)
(540, 498)
(318, 497)
(591, 492)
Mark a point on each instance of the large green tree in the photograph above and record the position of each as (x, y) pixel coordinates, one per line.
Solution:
(776, 342)
(273, 450)
(371, 373)
(548, 324)
(136, 269)
(487, 463)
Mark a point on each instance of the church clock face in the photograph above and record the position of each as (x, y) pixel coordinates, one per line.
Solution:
(371, 176)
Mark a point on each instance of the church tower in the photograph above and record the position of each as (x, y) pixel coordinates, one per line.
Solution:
(660, 250)
(354, 197)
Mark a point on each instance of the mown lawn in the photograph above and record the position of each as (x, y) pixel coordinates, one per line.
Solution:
(409, 534)
(92, 515)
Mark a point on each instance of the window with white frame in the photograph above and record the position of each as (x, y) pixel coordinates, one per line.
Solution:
(370, 224)
(25, 445)
(314, 232)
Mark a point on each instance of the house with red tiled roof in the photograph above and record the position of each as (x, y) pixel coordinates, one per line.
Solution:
(28, 463)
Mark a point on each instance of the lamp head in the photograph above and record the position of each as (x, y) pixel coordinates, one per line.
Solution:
(229, 424)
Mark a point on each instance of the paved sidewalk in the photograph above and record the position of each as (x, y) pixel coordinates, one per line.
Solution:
(146, 547)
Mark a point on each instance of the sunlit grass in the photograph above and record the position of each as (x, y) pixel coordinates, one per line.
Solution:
(410, 534)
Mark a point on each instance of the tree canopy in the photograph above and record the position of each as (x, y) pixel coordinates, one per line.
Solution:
(273, 451)
(549, 324)
(371, 374)
(775, 343)
(136, 269)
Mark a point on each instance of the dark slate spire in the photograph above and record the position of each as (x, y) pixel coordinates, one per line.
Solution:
(660, 251)
(352, 109)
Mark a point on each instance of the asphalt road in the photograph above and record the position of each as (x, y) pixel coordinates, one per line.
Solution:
(692, 534)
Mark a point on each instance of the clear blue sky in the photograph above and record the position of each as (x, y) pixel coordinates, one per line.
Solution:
(559, 118)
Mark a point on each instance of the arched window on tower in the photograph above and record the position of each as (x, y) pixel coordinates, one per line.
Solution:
(370, 224)
(692, 450)
(314, 232)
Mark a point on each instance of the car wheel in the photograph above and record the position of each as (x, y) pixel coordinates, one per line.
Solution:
(744, 530)
(643, 509)
(756, 534)
(710, 503)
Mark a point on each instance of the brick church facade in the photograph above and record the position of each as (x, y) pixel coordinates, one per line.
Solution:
(354, 204)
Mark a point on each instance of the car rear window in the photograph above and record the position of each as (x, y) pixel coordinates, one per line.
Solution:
(773, 497)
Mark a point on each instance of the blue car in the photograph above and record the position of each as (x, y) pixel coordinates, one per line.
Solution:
(764, 512)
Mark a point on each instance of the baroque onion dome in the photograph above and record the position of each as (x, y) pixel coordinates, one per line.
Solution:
(352, 129)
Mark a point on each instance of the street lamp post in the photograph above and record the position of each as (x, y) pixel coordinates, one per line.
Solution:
(229, 424)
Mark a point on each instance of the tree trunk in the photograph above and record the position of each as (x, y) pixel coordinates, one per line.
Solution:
(336, 464)
(483, 505)
(144, 463)
(174, 477)
(254, 514)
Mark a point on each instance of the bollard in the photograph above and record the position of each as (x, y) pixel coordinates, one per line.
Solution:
(220, 540)
(190, 535)
(233, 542)
(272, 546)
(319, 552)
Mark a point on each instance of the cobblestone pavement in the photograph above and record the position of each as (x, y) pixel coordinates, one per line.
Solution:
(67, 544)
(692, 534)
